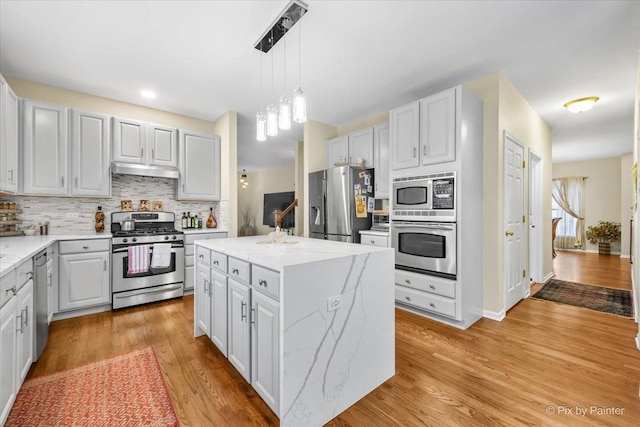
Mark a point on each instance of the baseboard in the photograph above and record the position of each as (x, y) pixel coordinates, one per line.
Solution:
(498, 316)
(81, 312)
(625, 256)
(548, 277)
(588, 251)
(638, 341)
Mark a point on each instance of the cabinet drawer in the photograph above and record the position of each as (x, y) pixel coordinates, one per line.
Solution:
(189, 260)
(265, 281)
(190, 238)
(373, 240)
(203, 255)
(24, 272)
(80, 246)
(423, 282)
(189, 248)
(7, 282)
(239, 269)
(219, 261)
(188, 277)
(426, 301)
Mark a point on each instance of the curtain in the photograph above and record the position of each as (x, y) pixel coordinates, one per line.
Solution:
(569, 195)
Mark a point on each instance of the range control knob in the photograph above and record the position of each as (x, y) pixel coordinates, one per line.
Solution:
(174, 237)
(166, 237)
(134, 240)
(125, 240)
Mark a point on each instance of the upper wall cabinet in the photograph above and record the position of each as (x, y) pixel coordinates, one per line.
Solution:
(381, 160)
(423, 132)
(337, 150)
(44, 149)
(139, 142)
(361, 147)
(9, 171)
(90, 154)
(199, 167)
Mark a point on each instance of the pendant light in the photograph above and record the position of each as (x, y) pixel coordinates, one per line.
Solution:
(272, 110)
(284, 117)
(299, 101)
(243, 180)
(261, 117)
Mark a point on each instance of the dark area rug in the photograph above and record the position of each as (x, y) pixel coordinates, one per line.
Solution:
(598, 298)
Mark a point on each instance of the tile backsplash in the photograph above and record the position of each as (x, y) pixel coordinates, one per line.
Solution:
(123, 187)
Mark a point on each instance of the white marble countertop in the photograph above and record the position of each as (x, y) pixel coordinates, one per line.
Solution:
(298, 250)
(202, 230)
(15, 250)
(375, 232)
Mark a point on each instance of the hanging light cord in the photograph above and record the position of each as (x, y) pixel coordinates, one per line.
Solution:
(299, 53)
(272, 66)
(284, 56)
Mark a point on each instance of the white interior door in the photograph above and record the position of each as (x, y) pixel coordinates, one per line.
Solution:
(514, 269)
(536, 218)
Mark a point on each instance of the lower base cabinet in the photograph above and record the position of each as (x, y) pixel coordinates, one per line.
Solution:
(218, 291)
(84, 280)
(238, 327)
(25, 330)
(265, 337)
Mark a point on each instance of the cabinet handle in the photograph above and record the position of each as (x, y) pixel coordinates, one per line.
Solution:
(26, 316)
(253, 316)
(373, 242)
(234, 270)
(432, 287)
(141, 152)
(183, 188)
(432, 305)
(425, 151)
(262, 282)
(407, 281)
(12, 289)
(201, 256)
(206, 286)
(21, 330)
(62, 181)
(376, 186)
(153, 154)
(243, 311)
(85, 247)
(414, 152)
(407, 298)
(11, 175)
(50, 281)
(105, 265)
(29, 275)
(76, 181)
(215, 262)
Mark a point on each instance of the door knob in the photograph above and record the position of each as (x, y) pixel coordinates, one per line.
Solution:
(509, 233)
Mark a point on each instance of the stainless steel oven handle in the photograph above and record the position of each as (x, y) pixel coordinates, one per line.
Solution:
(117, 251)
(150, 291)
(426, 226)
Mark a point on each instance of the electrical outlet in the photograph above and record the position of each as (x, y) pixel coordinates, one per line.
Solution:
(72, 215)
(334, 303)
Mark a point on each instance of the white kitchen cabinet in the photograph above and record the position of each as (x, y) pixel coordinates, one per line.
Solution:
(361, 147)
(25, 331)
(203, 300)
(90, 154)
(238, 327)
(381, 160)
(218, 290)
(129, 140)
(189, 238)
(265, 338)
(199, 158)
(8, 139)
(337, 151)
(45, 149)
(437, 128)
(374, 238)
(84, 280)
(163, 145)
(404, 124)
(52, 281)
(8, 355)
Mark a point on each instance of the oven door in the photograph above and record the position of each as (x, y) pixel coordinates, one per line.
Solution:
(123, 281)
(412, 195)
(425, 247)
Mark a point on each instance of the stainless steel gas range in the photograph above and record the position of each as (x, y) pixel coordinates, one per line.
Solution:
(147, 259)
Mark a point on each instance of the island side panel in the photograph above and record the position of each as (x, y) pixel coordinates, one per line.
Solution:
(331, 359)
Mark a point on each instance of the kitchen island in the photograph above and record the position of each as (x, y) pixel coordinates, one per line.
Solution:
(308, 323)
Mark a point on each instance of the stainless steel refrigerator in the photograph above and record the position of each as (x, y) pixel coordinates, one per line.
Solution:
(340, 203)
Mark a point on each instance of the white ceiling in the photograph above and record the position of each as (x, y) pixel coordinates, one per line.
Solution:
(358, 58)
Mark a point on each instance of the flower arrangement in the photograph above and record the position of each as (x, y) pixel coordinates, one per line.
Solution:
(604, 232)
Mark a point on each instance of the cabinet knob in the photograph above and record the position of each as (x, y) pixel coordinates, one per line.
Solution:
(431, 287)
(432, 305)
(262, 282)
(85, 247)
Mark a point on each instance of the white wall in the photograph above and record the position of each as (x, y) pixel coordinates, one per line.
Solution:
(602, 191)
(626, 202)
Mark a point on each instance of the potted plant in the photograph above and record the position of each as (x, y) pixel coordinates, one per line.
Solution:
(603, 234)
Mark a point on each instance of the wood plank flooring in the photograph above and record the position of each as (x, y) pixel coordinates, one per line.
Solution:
(542, 355)
(589, 268)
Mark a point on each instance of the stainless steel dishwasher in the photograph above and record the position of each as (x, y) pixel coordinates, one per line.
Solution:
(42, 302)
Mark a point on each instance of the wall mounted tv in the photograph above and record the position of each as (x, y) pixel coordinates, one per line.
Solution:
(279, 201)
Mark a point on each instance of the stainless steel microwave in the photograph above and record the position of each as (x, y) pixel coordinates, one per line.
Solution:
(425, 197)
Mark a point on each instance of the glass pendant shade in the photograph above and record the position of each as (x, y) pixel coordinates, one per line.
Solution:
(261, 126)
(299, 106)
(284, 118)
(272, 120)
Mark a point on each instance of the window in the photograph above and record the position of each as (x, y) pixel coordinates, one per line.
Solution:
(567, 225)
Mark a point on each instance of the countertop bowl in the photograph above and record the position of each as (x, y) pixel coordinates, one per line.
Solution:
(29, 231)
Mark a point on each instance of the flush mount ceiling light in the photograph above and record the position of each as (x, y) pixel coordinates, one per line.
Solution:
(148, 94)
(281, 118)
(582, 104)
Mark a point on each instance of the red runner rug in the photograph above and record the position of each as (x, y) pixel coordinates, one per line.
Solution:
(126, 390)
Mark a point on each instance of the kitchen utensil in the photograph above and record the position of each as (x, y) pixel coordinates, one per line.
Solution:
(128, 225)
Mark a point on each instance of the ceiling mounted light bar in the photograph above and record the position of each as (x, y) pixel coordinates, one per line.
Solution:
(283, 23)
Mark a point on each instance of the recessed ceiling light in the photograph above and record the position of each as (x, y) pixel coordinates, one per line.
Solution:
(148, 94)
(582, 104)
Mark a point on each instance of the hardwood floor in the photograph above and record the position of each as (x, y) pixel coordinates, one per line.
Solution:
(542, 355)
(589, 268)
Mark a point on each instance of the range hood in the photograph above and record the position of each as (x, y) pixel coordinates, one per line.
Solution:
(118, 168)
